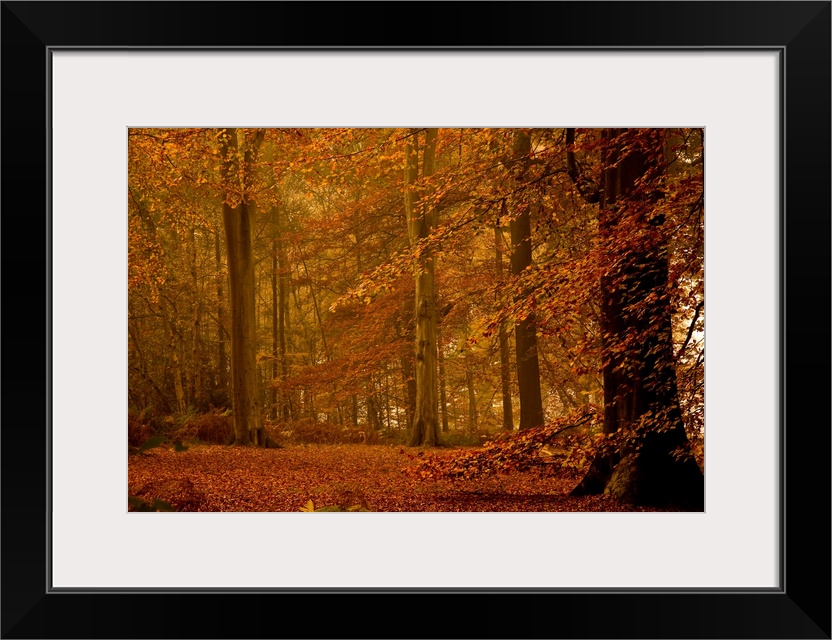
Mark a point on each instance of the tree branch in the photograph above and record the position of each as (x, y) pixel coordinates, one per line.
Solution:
(590, 191)
(690, 329)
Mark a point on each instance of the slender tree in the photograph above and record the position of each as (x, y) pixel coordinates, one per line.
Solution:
(421, 219)
(443, 395)
(503, 339)
(525, 330)
(222, 332)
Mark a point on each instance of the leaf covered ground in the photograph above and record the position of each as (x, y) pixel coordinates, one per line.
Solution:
(376, 478)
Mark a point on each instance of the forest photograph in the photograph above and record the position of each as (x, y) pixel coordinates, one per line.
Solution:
(415, 320)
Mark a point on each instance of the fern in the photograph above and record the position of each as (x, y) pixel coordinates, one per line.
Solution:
(151, 443)
(139, 504)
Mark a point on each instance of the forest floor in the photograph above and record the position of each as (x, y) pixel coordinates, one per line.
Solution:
(370, 477)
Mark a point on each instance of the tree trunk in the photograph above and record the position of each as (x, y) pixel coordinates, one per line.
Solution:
(248, 421)
(472, 401)
(319, 318)
(421, 217)
(408, 335)
(640, 391)
(283, 319)
(142, 370)
(222, 358)
(409, 381)
(281, 403)
(505, 354)
(167, 322)
(525, 333)
(387, 401)
(173, 351)
(373, 421)
(277, 356)
(443, 400)
(196, 313)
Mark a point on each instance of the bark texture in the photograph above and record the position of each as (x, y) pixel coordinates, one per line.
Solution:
(248, 419)
(503, 338)
(525, 332)
(421, 218)
(283, 318)
(472, 402)
(640, 390)
(443, 396)
(277, 355)
(222, 359)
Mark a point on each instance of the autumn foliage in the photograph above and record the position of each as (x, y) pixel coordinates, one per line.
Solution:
(426, 286)
(565, 444)
(338, 478)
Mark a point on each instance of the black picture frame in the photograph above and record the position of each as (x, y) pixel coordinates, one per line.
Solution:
(800, 608)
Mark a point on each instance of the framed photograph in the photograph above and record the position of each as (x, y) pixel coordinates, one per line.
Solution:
(751, 79)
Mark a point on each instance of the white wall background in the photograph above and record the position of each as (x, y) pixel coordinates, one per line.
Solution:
(97, 96)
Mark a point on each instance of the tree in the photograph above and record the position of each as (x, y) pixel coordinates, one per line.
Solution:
(605, 253)
(421, 219)
(525, 331)
(503, 339)
(652, 464)
(236, 214)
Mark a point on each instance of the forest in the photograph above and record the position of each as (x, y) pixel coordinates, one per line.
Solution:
(416, 319)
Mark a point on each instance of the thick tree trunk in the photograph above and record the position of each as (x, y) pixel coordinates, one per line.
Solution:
(640, 392)
(525, 332)
(421, 216)
(248, 421)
